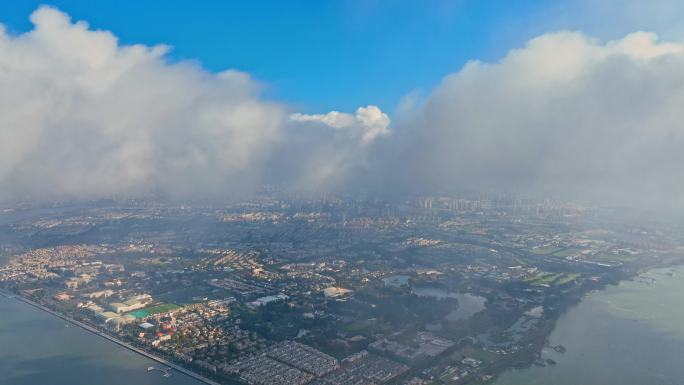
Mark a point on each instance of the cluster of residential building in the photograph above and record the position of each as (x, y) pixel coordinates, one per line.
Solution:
(291, 362)
(364, 368)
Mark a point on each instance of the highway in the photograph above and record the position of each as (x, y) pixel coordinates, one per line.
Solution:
(113, 339)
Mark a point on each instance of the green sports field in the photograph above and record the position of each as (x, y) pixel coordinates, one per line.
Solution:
(163, 308)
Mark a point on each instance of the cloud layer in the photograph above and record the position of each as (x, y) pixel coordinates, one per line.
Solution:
(368, 123)
(83, 116)
(566, 114)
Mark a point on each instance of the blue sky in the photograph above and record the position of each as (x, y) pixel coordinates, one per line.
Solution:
(329, 55)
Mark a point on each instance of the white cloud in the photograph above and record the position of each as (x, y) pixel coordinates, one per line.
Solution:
(367, 123)
(81, 114)
(84, 116)
(565, 114)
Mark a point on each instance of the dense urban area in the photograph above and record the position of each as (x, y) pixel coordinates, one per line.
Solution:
(327, 290)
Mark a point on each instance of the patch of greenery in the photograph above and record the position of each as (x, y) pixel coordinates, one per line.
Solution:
(543, 278)
(163, 308)
(566, 278)
(568, 252)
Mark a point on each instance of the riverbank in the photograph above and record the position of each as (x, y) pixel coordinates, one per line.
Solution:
(629, 334)
(110, 338)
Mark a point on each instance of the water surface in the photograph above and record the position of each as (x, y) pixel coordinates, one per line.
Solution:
(630, 334)
(396, 280)
(468, 304)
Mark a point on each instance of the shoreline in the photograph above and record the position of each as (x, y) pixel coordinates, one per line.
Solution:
(631, 278)
(92, 330)
(634, 278)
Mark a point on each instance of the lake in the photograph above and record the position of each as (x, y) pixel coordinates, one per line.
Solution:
(38, 348)
(630, 334)
(468, 304)
(396, 280)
